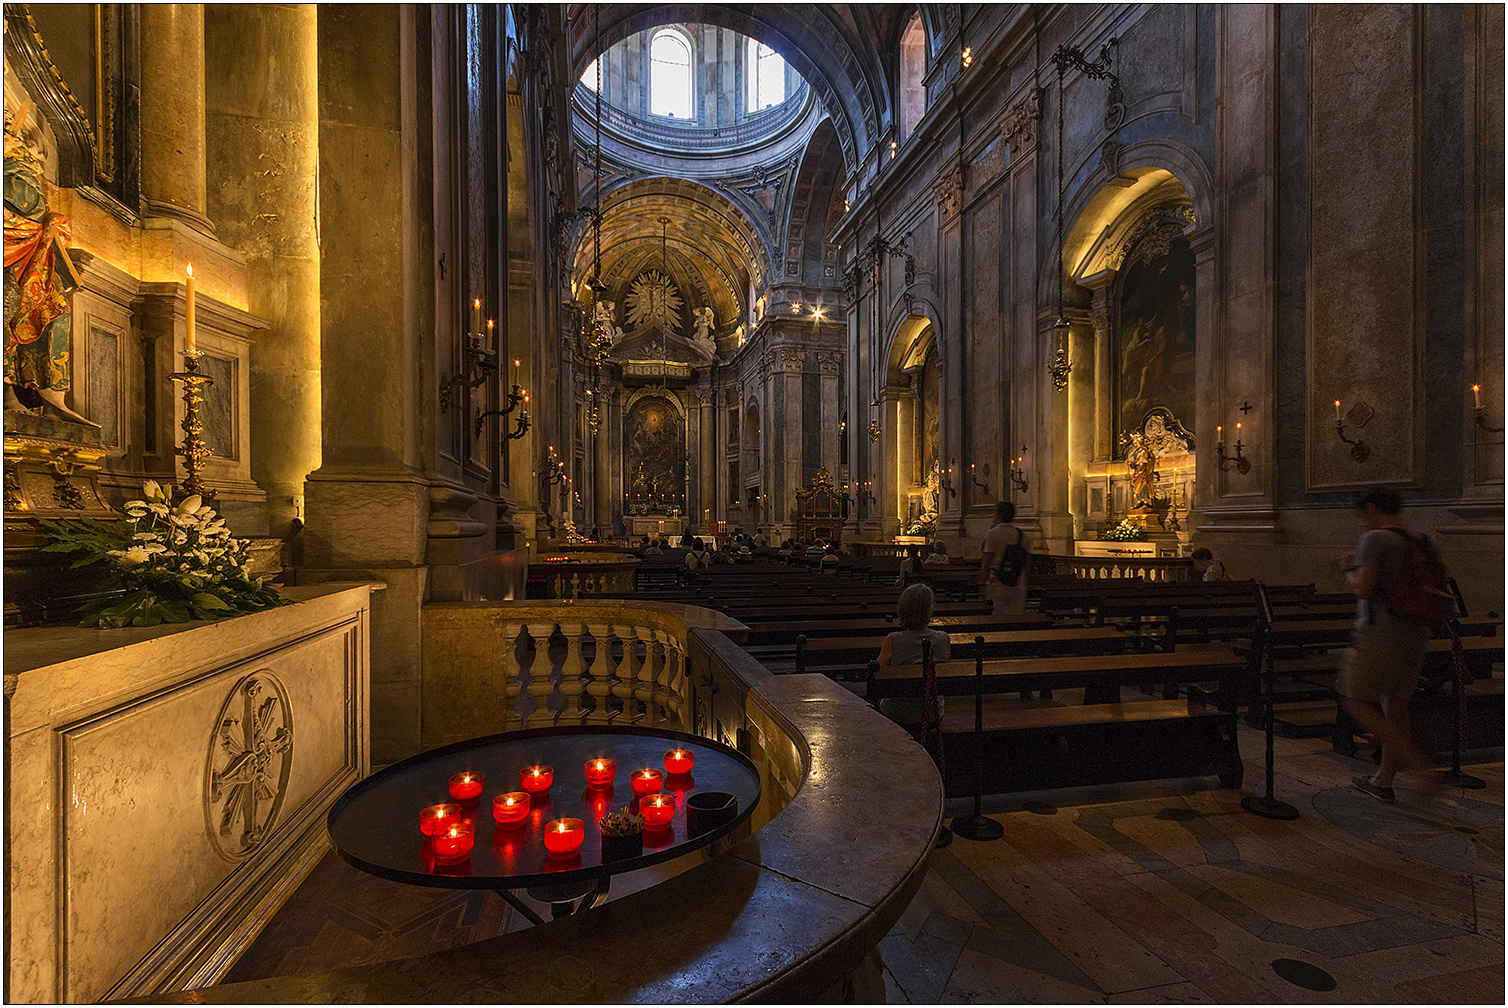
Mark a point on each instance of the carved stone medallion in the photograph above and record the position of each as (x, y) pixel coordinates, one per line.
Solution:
(250, 756)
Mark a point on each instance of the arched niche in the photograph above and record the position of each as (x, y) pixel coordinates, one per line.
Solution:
(1130, 260)
(913, 421)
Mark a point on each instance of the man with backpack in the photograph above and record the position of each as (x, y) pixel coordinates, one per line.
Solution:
(1002, 567)
(1401, 589)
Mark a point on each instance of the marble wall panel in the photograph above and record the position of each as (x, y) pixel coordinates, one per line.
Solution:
(116, 879)
(104, 383)
(984, 429)
(1365, 340)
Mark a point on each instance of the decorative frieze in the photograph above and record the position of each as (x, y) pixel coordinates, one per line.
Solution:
(1153, 236)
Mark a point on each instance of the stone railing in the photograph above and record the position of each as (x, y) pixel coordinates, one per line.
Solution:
(1136, 562)
(790, 911)
(586, 572)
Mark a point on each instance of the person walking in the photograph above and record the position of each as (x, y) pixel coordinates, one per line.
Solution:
(1002, 563)
(1380, 670)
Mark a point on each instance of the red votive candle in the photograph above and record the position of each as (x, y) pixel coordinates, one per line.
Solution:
(535, 779)
(437, 818)
(678, 761)
(466, 786)
(511, 809)
(657, 810)
(563, 837)
(455, 843)
(600, 772)
(646, 781)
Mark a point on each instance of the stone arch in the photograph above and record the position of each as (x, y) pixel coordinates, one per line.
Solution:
(815, 209)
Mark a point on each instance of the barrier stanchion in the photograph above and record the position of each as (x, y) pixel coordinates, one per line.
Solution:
(1266, 805)
(1459, 682)
(978, 826)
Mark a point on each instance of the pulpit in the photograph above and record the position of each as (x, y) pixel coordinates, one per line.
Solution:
(820, 510)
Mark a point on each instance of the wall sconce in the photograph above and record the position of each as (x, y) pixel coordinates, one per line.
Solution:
(868, 496)
(480, 360)
(1018, 471)
(1242, 463)
(946, 479)
(1482, 424)
(968, 56)
(874, 423)
(973, 479)
(557, 474)
(516, 395)
(1359, 451)
(893, 146)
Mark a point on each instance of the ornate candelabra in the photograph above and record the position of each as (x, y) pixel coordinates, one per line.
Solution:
(194, 451)
(1241, 462)
(945, 479)
(867, 495)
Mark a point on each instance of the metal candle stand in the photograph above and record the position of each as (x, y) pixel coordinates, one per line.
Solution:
(194, 451)
(515, 396)
(978, 826)
(479, 364)
(1266, 805)
(1459, 682)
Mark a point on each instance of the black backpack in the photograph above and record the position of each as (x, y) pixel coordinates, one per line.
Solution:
(1012, 562)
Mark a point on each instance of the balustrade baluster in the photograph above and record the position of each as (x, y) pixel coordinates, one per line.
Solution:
(645, 688)
(512, 683)
(540, 684)
(597, 684)
(572, 674)
(665, 698)
(628, 672)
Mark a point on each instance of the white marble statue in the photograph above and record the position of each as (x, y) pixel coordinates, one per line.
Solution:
(701, 339)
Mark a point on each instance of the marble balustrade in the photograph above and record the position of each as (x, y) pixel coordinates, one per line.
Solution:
(789, 910)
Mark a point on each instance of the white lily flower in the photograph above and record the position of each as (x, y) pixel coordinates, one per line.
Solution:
(132, 557)
(153, 490)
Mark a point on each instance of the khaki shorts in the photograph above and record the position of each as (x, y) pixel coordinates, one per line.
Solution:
(1373, 668)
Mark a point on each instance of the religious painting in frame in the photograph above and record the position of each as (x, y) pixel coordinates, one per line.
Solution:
(1155, 328)
(654, 448)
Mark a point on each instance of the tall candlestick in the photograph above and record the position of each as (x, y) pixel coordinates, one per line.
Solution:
(1337, 409)
(515, 371)
(1476, 392)
(476, 315)
(489, 335)
(190, 342)
(1220, 434)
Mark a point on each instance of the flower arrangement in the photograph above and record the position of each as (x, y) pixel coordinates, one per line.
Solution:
(176, 562)
(922, 526)
(622, 823)
(1126, 531)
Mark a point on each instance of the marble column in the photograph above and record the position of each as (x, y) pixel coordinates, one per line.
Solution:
(1101, 351)
(602, 480)
(789, 454)
(702, 519)
(902, 405)
(268, 130)
(368, 503)
(173, 145)
(831, 364)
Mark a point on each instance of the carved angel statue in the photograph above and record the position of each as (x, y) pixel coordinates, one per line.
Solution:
(702, 341)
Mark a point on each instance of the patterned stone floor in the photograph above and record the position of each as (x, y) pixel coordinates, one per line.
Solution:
(1164, 892)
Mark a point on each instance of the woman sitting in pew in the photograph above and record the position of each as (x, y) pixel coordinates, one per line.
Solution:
(904, 647)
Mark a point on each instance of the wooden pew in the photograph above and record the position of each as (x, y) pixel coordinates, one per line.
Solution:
(841, 655)
(1029, 746)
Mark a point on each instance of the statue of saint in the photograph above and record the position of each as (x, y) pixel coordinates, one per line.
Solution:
(1143, 462)
(38, 277)
(701, 340)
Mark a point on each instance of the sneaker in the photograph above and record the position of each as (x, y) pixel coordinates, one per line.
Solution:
(1377, 791)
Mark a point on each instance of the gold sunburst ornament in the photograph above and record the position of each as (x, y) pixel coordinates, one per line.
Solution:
(653, 297)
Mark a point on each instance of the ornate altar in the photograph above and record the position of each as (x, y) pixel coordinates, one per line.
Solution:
(820, 510)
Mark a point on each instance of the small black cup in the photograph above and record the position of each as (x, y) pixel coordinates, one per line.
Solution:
(707, 810)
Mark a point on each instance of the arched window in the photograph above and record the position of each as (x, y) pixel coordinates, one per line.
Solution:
(670, 75)
(913, 95)
(766, 76)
